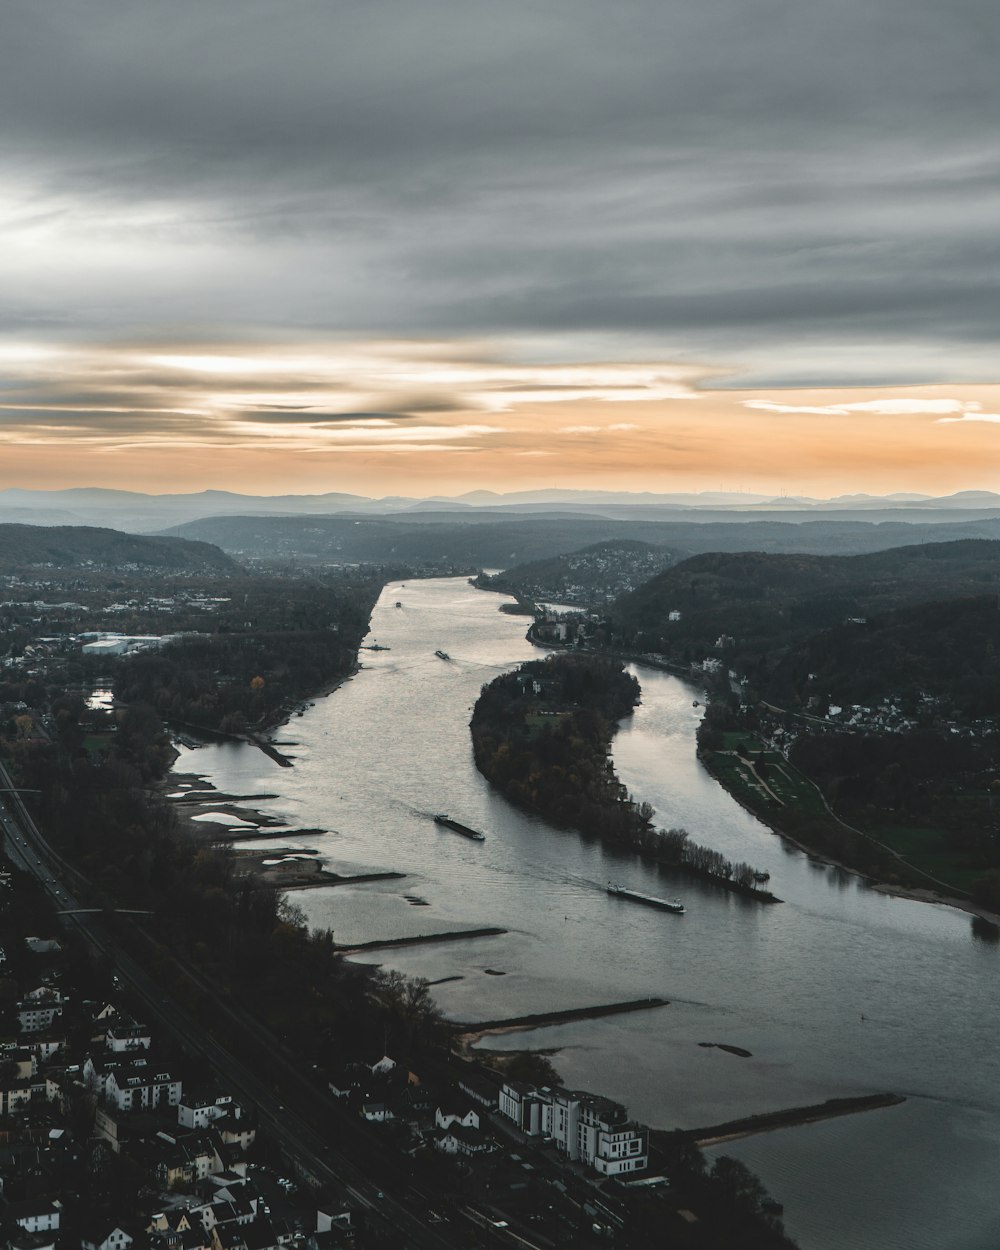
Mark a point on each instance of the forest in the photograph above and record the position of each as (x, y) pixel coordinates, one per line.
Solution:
(542, 734)
(277, 642)
(91, 549)
(941, 652)
(750, 607)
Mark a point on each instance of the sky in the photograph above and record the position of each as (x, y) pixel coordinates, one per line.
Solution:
(415, 248)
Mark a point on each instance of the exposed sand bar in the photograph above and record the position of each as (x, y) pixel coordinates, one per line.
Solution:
(733, 1130)
(332, 878)
(458, 935)
(474, 1031)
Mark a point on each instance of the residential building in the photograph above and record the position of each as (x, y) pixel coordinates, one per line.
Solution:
(132, 1084)
(585, 1127)
(106, 1236)
(34, 1215)
(122, 1037)
(198, 1111)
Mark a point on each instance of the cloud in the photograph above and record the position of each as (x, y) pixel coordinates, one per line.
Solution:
(780, 189)
(316, 417)
(619, 427)
(879, 407)
(989, 417)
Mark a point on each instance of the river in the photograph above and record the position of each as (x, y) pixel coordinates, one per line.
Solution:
(839, 990)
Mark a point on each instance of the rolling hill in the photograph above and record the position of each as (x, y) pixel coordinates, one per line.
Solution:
(760, 604)
(24, 547)
(492, 538)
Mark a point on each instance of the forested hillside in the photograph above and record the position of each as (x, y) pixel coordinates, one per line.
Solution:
(589, 577)
(755, 605)
(947, 651)
(24, 547)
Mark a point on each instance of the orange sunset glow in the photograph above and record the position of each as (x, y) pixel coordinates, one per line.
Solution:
(396, 417)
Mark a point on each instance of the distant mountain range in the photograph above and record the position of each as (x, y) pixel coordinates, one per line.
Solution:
(144, 513)
(492, 538)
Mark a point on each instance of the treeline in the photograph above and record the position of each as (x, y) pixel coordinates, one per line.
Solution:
(100, 808)
(750, 607)
(734, 1208)
(541, 735)
(277, 643)
(674, 847)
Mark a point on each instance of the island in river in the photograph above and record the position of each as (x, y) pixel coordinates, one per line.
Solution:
(542, 735)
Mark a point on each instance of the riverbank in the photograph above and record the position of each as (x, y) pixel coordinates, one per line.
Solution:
(542, 736)
(781, 982)
(770, 817)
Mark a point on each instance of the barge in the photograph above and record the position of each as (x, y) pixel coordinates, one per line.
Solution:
(651, 900)
(464, 830)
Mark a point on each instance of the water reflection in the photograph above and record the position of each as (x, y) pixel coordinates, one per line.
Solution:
(789, 983)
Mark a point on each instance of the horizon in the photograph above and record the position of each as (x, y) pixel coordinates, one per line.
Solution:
(713, 497)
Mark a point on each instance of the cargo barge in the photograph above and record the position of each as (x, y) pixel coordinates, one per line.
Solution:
(458, 827)
(651, 900)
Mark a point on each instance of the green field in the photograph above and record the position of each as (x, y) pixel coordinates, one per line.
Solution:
(786, 784)
(923, 847)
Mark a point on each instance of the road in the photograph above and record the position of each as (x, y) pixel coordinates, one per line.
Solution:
(296, 1117)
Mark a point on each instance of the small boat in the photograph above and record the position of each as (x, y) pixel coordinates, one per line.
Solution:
(442, 655)
(651, 900)
(474, 834)
(375, 646)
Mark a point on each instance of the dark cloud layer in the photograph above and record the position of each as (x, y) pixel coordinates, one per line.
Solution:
(771, 184)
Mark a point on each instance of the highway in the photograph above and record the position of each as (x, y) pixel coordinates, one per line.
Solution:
(296, 1117)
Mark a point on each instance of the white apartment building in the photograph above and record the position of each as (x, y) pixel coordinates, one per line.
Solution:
(585, 1127)
(124, 1037)
(200, 1112)
(37, 1011)
(132, 1084)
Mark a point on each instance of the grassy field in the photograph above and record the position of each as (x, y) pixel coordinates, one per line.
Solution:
(927, 850)
(785, 790)
(781, 782)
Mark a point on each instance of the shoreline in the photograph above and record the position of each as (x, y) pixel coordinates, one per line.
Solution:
(914, 894)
